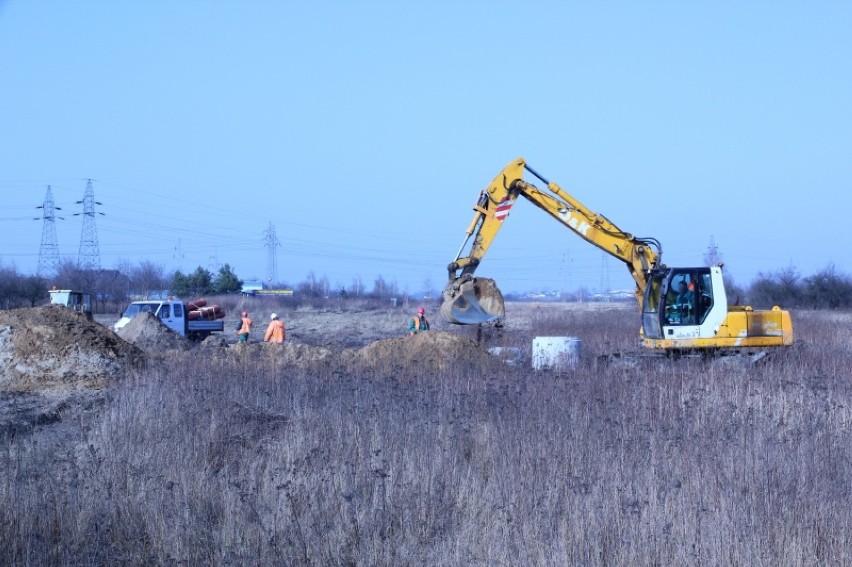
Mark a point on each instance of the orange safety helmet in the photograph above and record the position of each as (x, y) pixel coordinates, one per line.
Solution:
(421, 311)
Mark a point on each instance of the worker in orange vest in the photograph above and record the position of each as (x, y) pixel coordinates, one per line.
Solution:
(418, 323)
(275, 332)
(245, 328)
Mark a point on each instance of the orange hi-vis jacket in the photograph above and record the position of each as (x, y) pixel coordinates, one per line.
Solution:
(418, 323)
(275, 332)
(246, 328)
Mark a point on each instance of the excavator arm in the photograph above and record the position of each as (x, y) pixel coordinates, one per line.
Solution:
(469, 300)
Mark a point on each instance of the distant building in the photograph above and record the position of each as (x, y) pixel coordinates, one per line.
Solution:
(251, 287)
(615, 295)
(256, 288)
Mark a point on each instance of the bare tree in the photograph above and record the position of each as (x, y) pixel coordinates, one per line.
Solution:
(324, 286)
(380, 288)
(428, 290)
(147, 277)
(357, 287)
(9, 281)
(111, 287)
(71, 276)
(828, 288)
(308, 287)
(783, 287)
(33, 289)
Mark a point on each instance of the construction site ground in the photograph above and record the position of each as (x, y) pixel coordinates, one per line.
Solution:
(53, 359)
(113, 437)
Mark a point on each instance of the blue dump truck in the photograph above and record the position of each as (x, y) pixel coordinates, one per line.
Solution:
(193, 320)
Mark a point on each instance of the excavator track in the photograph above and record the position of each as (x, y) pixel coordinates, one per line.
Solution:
(719, 357)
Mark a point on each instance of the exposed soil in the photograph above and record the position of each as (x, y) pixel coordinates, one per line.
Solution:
(53, 360)
(432, 350)
(51, 356)
(55, 363)
(147, 332)
(55, 348)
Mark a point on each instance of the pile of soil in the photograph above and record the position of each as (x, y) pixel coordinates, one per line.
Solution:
(343, 329)
(53, 347)
(214, 341)
(432, 349)
(288, 352)
(149, 333)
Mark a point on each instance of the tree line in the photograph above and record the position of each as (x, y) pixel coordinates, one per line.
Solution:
(112, 288)
(826, 289)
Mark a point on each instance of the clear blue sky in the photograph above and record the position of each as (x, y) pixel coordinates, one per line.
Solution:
(363, 131)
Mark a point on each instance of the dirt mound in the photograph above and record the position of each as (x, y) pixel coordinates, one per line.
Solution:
(300, 354)
(149, 333)
(432, 349)
(55, 347)
(288, 352)
(214, 341)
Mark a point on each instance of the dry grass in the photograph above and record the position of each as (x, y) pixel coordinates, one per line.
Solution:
(254, 462)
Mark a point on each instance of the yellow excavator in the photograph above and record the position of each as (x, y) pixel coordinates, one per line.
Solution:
(682, 309)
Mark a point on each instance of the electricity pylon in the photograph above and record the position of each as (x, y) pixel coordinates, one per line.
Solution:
(48, 254)
(270, 241)
(89, 257)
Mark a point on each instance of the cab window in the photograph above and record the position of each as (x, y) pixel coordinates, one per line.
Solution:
(652, 297)
(689, 298)
(680, 300)
(704, 296)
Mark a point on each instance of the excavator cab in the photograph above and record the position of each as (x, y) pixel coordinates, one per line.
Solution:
(687, 308)
(680, 301)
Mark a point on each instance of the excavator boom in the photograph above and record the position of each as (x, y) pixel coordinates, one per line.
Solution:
(470, 300)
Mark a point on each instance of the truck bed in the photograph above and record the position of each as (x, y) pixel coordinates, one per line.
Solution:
(205, 325)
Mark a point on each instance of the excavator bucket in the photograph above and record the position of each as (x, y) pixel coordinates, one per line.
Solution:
(474, 301)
